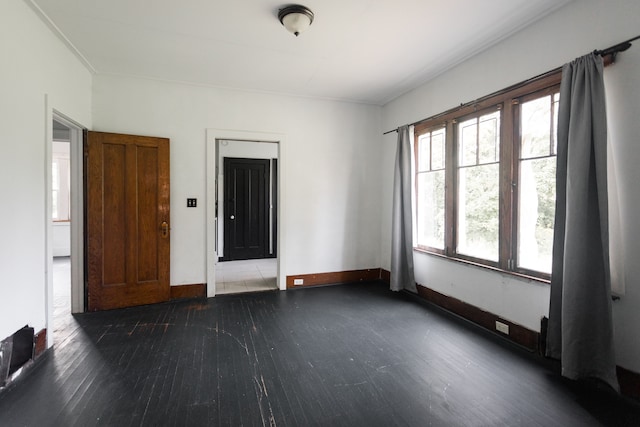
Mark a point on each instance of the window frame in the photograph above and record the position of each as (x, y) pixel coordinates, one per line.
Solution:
(549, 91)
(507, 101)
(456, 178)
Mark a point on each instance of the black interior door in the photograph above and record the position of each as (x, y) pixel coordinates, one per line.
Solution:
(274, 208)
(246, 194)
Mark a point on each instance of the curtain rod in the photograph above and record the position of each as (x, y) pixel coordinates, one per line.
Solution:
(620, 47)
(613, 50)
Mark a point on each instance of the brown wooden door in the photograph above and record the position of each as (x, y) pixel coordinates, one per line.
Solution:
(127, 220)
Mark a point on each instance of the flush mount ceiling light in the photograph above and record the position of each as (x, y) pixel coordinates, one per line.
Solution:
(295, 18)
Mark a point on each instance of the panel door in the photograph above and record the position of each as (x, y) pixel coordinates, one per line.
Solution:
(127, 220)
(246, 187)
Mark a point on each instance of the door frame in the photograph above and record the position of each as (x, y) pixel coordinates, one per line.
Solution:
(76, 210)
(76, 202)
(212, 138)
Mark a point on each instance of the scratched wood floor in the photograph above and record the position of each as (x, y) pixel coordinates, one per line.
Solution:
(352, 355)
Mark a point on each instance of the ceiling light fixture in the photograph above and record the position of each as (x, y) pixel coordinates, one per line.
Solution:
(295, 18)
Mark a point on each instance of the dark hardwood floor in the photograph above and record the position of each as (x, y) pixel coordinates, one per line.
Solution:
(351, 355)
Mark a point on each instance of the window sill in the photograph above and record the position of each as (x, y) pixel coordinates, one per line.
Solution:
(486, 267)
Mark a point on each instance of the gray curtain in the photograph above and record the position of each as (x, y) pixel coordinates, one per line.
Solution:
(580, 330)
(402, 276)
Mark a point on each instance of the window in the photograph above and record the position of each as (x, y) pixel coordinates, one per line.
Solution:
(430, 179)
(537, 178)
(485, 179)
(55, 184)
(60, 188)
(478, 181)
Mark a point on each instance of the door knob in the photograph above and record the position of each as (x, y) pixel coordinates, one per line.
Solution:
(232, 217)
(164, 229)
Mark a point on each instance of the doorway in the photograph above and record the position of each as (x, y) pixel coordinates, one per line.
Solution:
(247, 203)
(61, 218)
(65, 222)
(254, 165)
(67, 211)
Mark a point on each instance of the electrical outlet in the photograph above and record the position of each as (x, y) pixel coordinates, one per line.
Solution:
(298, 281)
(502, 327)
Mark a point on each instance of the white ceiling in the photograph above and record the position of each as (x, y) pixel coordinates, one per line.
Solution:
(368, 51)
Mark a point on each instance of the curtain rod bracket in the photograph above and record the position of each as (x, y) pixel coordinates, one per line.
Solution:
(613, 50)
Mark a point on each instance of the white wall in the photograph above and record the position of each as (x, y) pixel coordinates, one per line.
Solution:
(330, 170)
(623, 104)
(242, 150)
(572, 31)
(35, 63)
(61, 239)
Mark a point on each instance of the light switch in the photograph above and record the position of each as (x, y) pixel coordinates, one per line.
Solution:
(192, 203)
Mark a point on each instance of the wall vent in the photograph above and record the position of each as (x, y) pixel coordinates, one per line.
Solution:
(15, 352)
(5, 359)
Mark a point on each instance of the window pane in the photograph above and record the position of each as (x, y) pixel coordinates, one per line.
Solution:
(54, 210)
(423, 152)
(536, 125)
(55, 176)
(537, 182)
(536, 213)
(488, 137)
(478, 211)
(437, 149)
(55, 185)
(468, 142)
(430, 209)
(554, 133)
